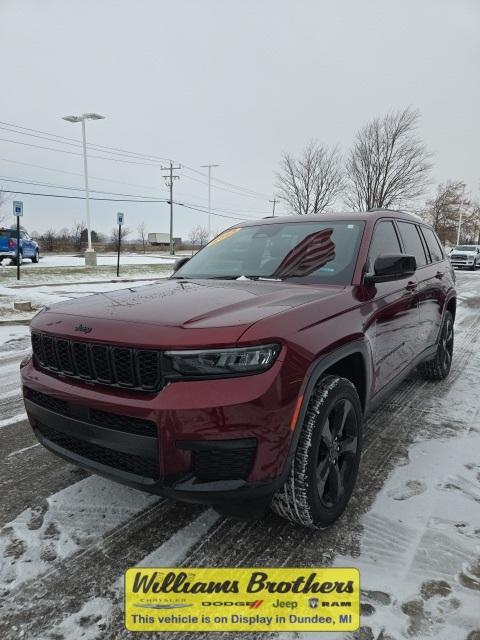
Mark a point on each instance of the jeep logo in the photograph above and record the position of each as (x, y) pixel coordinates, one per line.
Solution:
(83, 328)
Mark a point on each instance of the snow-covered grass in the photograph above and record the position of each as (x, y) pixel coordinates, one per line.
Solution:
(64, 260)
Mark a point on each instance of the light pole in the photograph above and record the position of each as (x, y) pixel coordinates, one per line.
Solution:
(90, 255)
(209, 167)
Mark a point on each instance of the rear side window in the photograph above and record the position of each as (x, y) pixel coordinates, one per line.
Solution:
(7, 233)
(412, 242)
(385, 240)
(433, 244)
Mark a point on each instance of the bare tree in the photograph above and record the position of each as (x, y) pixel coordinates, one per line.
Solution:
(444, 210)
(388, 164)
(77, 234)
(312, 182)
(142, 234)
(198, 236)
(49, 240)
(114, 235)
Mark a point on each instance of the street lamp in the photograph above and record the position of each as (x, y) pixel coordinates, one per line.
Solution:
(90, 255)
(209, 167)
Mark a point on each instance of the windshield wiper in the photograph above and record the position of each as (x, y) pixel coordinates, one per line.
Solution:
(264, 278)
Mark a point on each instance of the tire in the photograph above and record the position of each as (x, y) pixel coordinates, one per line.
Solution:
(20, 259)
(439, 367)
(474, 266)
(325, 464)
(36, 257)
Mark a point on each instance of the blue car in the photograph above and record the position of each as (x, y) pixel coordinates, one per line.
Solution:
(8, 246)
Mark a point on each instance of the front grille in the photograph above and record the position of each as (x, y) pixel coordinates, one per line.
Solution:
(235, 463)
(54, 404)
(123, 423)
(458, 257)
(116, 459)
(139, 369)
(115, 421)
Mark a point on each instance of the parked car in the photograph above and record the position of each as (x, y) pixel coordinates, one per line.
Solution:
(465, 255)
(243, 380)
(8, 246)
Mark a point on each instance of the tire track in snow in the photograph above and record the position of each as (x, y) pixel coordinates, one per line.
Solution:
(389, 433)
(161, 534)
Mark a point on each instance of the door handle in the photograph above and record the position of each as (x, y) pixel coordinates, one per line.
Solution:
(411, 286)
(439, 275)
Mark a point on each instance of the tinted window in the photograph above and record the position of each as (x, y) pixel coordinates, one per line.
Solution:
(310, 252)
(412, 241)
(385, 240)
(432, 244)
(8, 233)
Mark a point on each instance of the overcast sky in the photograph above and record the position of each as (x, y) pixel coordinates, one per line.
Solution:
(234, 83)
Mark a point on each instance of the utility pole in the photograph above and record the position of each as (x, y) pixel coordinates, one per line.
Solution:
(274, 202)
(209, 167)
(169, 178)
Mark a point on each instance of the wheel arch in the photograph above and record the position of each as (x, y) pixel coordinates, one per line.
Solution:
(452, 306)
(351, 361)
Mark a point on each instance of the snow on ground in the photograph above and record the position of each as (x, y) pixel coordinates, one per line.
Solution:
(412, 528)
(70, 520)
(102, 259)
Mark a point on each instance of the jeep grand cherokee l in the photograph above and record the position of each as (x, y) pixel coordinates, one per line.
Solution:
(242, 380)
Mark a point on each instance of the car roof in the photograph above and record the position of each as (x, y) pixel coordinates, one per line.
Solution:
(374, 214)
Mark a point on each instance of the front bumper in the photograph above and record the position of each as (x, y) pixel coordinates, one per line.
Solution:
(203, 441)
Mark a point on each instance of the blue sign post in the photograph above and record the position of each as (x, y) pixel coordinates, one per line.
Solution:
(120, 219)
(18, 212)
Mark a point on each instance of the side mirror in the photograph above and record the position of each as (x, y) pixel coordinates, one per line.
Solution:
(392, 266)
(179, 263)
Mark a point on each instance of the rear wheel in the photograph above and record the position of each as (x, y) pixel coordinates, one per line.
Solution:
(18, 260)
(325, 464)
(439, 367)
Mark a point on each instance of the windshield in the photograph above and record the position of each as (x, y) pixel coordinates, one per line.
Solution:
(465, 247)
(310, 252)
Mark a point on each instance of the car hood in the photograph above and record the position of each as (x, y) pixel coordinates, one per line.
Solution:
(177, 312)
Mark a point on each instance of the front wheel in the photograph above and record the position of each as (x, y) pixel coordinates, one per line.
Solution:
(36, 257)
(325, 464)
(474, 266)
(439, 367)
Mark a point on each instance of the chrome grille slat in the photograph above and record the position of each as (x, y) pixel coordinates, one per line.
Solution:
(114, 366)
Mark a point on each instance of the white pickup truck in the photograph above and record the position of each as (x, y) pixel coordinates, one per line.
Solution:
(465, 255)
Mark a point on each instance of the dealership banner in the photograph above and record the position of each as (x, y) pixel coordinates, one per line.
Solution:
(242, 599)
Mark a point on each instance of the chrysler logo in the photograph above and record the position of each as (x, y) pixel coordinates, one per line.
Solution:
(83, 328)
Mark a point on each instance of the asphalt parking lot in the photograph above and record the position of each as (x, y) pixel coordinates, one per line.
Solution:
(412, 527)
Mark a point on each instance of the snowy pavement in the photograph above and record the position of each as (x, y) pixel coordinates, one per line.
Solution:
(412, 527)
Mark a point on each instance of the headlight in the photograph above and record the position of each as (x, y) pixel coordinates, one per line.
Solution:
(223, 362)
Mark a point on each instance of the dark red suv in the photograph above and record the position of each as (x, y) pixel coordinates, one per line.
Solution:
(243, 379)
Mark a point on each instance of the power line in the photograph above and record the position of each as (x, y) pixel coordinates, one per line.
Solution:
(181, 204)
(129, 195)
(116, 151)
(72, 153)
